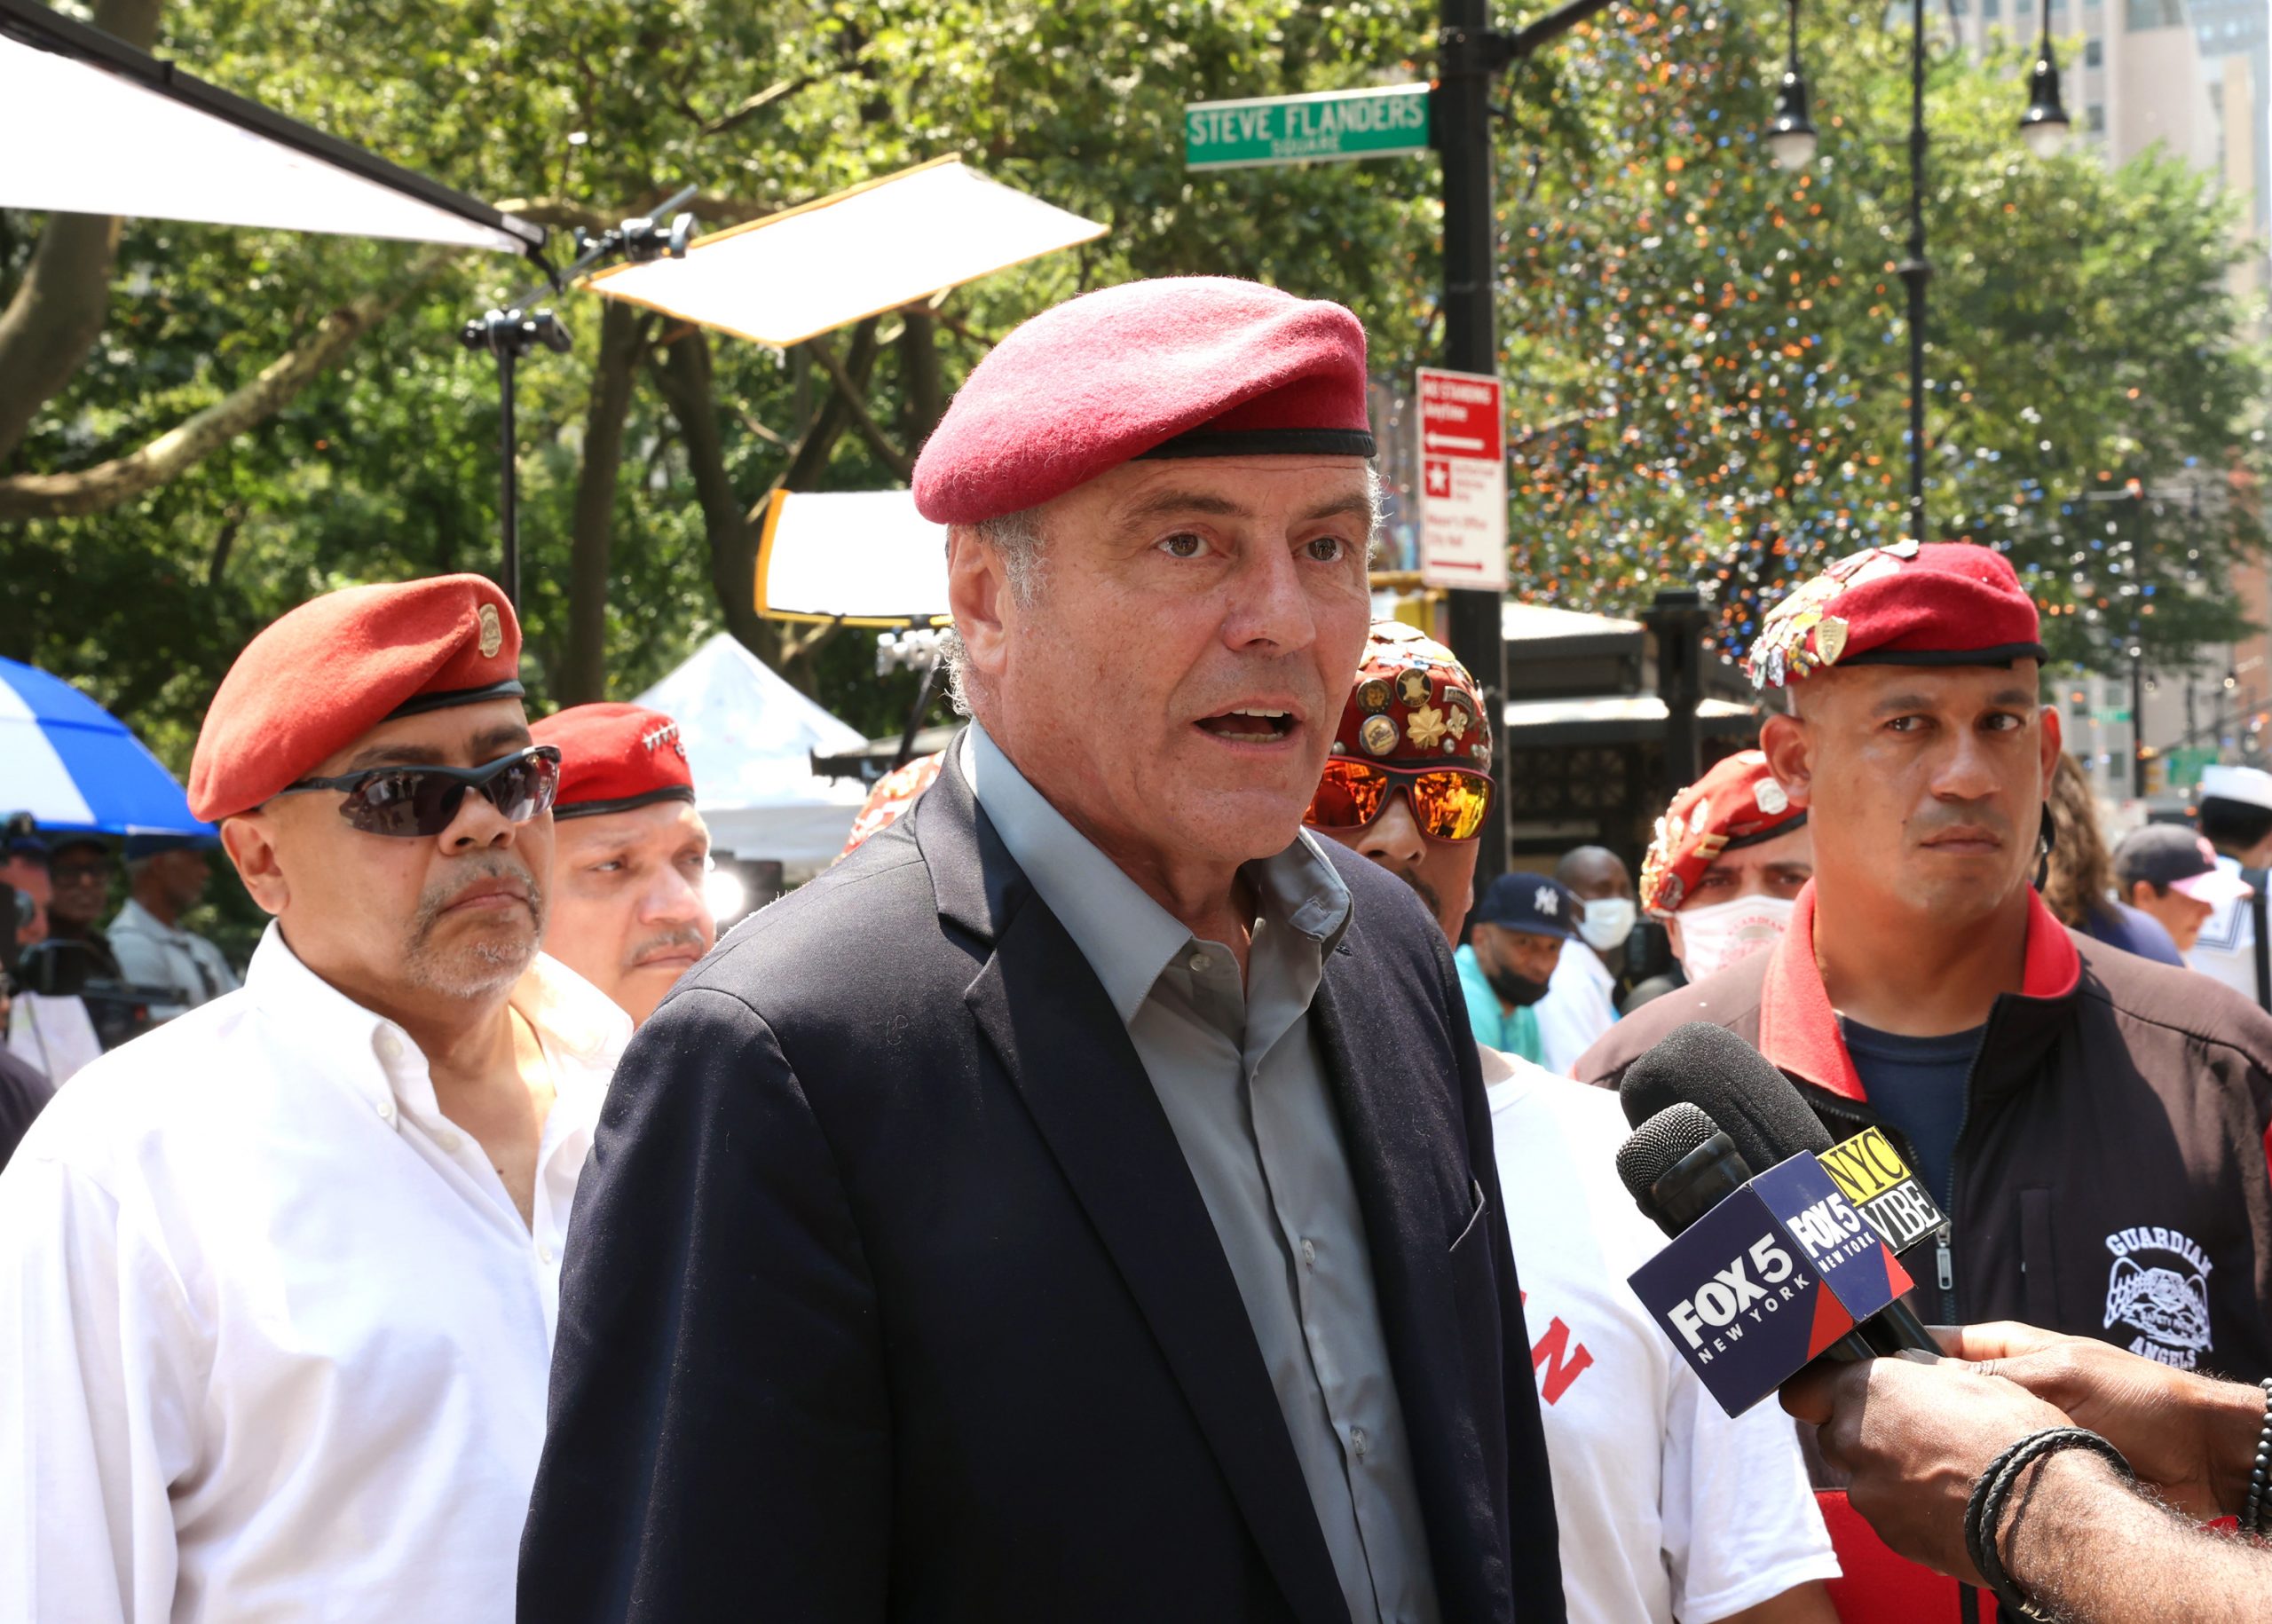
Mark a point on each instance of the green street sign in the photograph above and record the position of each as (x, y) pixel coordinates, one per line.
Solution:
(1383, 123)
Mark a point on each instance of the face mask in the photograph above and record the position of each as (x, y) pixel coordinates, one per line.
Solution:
(1519, 991)
(1714, 937)
(1607, 922)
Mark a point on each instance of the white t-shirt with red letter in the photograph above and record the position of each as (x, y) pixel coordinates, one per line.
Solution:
(1669, 1509)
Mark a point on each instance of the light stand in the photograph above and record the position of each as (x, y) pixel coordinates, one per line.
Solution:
(512, 333)
(916, 648)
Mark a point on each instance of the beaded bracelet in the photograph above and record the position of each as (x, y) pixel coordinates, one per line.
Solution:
(1985, 1509)
(2259, 1500)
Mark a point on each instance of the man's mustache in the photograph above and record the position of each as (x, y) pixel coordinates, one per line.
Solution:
(685, 935)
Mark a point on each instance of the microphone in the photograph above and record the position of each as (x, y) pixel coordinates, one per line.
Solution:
(1732, 1086)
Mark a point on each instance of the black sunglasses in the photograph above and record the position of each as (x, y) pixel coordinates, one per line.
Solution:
(421, 802)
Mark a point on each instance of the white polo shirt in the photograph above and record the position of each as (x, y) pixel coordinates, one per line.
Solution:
(1669, 1509)
(277, 1339)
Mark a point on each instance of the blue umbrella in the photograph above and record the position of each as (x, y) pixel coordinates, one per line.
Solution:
(72, 765)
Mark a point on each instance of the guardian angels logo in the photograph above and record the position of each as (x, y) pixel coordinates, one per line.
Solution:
(2159, 1288)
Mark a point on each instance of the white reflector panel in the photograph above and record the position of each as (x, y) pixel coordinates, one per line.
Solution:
(783, 278)
(863, 557)
(82, 139)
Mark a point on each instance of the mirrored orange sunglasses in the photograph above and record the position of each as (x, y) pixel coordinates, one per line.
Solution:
(1449, 803)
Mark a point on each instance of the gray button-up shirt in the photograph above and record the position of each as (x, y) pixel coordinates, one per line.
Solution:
(1240, 1080)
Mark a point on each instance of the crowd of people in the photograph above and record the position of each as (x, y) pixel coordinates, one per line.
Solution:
(1143, 1178)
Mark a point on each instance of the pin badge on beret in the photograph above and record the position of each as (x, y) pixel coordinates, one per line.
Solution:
(1942, 604)
(493, 632)
(1377, 735)
(1373, 695)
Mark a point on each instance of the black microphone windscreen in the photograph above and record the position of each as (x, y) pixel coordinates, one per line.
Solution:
(1712, 1068)
(1656, 1145)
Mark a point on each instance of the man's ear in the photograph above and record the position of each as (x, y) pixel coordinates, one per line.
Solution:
(250, 841)
(1789, 756)
(976, 592)
(2052, 740)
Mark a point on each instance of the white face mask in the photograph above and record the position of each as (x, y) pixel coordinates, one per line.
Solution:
(1714, 937)
(1607, 922)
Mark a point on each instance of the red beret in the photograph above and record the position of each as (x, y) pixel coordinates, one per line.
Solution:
(1413, 705)
(1737, 803)
(318, 679)
(1183, 366)
(888, 801)
(1947, 604)
(615, 757)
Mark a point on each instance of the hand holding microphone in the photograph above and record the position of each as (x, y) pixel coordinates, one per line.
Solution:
(1770, 1265)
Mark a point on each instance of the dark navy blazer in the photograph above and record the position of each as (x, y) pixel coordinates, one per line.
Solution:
(888, 1294)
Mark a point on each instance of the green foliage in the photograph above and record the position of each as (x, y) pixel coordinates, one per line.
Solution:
(1707, 353)
(1712, 357)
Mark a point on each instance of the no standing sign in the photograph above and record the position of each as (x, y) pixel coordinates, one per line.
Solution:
(1464, 480)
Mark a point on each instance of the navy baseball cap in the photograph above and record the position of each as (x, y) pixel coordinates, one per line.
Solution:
(1536, 904)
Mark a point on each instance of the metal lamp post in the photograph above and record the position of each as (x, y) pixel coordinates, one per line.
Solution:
(1790, 136)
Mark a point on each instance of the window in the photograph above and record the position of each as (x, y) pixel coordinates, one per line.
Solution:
(2094, 53)
(2095, 118)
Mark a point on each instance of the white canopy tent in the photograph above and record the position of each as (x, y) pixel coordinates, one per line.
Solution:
(750, 739)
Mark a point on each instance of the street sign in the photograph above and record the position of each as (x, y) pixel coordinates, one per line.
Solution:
(1383, 122)
(1462, 480)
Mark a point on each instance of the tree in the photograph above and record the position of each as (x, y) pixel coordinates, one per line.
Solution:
(1711, 368)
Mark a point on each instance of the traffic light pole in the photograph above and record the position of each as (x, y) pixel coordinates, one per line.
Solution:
(1471, 53)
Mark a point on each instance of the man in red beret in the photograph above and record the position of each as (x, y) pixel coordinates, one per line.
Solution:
(277, 1280)
(1668, 1507)
(1078, 1202)
(629, 853)
(2093, 1123)
(1724, 871)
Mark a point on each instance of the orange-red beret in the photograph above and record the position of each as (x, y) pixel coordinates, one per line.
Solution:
(318, 679)
(1181, 366)
(1737, 803)
(615, 757)
(1944, 603)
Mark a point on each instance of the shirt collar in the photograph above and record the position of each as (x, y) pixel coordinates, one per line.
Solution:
(583, 1031)
(1128, 938)
(1800, 1031)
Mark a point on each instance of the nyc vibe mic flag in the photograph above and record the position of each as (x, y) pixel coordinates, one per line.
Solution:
(1768, 1278)
(1870, 1174)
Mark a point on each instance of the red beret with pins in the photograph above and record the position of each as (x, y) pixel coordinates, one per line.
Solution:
(1180, 367)
(615, 757)
(1942, 604)
(319, 678)
(1737, 803)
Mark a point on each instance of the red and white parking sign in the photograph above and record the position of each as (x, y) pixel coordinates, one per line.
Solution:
(1464, 480)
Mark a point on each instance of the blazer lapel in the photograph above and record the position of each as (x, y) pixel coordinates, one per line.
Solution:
(1402, 1134)
(1063, 1046)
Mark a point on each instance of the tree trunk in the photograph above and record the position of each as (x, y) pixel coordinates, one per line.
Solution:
(57, 312)
(923, 394)
(684, 377)
(583, 670)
